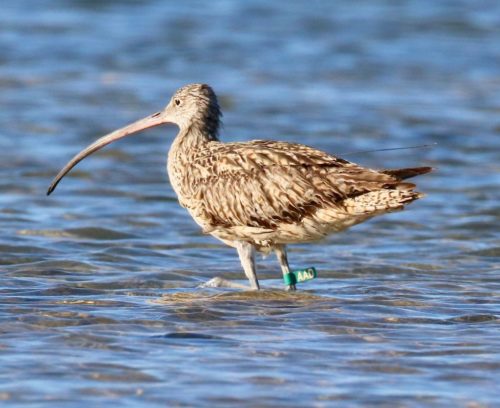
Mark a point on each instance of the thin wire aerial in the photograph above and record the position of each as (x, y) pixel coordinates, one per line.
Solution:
(261, 195)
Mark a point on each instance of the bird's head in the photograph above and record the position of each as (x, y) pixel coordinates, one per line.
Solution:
(192, 107)
(195, 106)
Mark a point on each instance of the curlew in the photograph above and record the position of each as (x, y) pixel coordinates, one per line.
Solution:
(261, 195)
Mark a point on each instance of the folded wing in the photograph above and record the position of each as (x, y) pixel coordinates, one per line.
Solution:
(263, 184)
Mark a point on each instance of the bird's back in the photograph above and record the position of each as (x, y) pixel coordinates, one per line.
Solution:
(271, 192)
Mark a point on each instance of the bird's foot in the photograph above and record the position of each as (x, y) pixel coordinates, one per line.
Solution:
(223, 283)
(291, 288)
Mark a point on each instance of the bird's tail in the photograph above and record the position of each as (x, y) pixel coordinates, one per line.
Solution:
(403, 174)
(388, 199)
(381, 201)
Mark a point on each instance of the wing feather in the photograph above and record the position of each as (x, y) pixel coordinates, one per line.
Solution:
(263, 183)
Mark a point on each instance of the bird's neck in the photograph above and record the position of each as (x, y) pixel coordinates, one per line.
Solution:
(191, 140)
(188, 143)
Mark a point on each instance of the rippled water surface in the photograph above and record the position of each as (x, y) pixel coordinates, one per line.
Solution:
(98, 294)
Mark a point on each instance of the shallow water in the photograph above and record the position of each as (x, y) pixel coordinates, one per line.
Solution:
(98, 297)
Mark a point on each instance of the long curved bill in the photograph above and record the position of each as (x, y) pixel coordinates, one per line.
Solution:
(150, 121)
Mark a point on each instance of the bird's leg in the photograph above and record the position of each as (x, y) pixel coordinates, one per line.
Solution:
(246, 251)
(283, 260)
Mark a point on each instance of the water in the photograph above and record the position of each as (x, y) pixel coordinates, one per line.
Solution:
(99, 302)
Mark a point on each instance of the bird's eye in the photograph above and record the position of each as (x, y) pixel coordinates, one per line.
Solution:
(177, 102)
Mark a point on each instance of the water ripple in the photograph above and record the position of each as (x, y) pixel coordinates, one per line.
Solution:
(99, 298)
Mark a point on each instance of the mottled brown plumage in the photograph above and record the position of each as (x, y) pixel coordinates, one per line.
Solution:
(263, 194)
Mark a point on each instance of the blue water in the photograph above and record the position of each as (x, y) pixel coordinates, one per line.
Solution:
(98, 294)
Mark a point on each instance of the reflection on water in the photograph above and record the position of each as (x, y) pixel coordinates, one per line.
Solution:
(99, 294)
